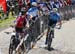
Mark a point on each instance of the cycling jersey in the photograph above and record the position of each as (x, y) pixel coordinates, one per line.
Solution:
(33, 11)
(54, 16)
(20, 22)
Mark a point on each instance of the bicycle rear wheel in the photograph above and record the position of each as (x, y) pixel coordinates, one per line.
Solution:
(13, 44)
(49, 40)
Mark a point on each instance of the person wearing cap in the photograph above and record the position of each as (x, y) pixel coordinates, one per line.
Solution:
(54, 17)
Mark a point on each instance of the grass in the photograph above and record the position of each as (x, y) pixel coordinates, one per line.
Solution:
(7, 22)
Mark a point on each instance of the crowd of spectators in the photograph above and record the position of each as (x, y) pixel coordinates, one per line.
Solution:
(22, 3)
(61, 3)
(15, 6)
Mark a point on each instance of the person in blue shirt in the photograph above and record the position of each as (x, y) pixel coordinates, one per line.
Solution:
(73, 2)
(54, 17)
(43, 8)
(32, 13)
(54, 4)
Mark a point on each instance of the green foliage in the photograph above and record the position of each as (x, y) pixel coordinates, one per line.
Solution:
(7, 22)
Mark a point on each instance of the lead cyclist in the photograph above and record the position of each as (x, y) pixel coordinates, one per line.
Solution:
(54, 18)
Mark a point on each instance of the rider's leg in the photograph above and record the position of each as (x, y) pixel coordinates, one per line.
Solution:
(22, 35)
(49, 46)
(49, 25)
(52, 32)
(17, 32)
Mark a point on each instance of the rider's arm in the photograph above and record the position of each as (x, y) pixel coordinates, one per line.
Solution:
(29, 16)
(60, 22)
(27, 23)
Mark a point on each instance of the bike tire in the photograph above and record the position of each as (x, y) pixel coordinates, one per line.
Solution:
(10, 49)
(49, 39)
(13, 44)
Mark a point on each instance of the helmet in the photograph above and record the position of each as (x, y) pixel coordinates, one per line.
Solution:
(34, 4)
(23, 11)
(55, 9)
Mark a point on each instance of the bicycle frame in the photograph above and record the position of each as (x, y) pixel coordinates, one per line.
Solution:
(20, 45)
(50, 36)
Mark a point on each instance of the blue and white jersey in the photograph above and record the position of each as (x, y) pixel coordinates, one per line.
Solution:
(54, 16)
(33, 11)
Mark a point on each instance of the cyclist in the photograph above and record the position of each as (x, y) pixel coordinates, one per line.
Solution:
(54, 17)
(32, 15)
(21, 22)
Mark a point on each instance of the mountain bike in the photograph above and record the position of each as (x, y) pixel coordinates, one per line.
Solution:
(17, 45)
(50, 37)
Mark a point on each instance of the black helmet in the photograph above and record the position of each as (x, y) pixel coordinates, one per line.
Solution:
(23, 11)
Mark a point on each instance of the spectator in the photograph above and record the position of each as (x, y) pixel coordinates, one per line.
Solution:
(8, 7)
(56, 4)
(65, 3)
(38, 1)
(27, 2)
(68, 2)
(73, 2)
(28, 6)
(43, 7)
(51, 3)
(61, 3)
(12, 7)
(20, 4)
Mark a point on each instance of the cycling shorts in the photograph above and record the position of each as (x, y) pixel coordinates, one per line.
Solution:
(19, 30)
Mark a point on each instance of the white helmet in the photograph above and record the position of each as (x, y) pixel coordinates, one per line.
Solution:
(55, 10)
(34, 4)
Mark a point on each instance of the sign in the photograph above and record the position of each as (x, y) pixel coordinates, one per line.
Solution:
(3, 4)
